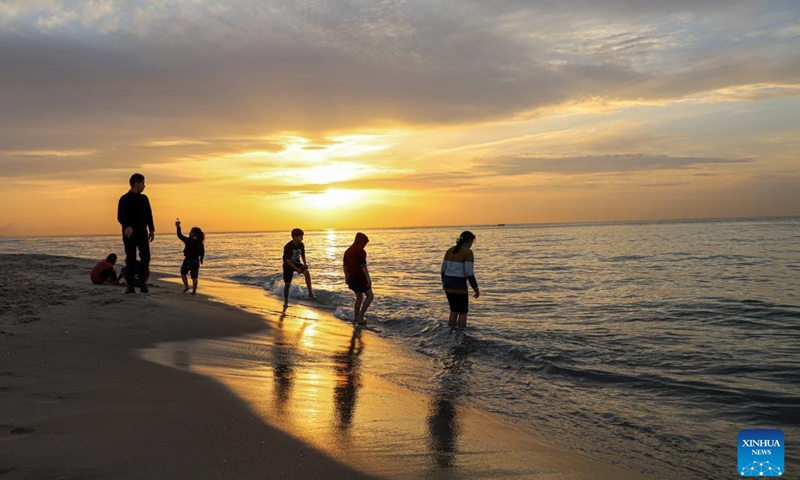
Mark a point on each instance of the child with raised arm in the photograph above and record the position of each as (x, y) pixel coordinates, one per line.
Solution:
(357, 276)
(294, 260)
(193, 253)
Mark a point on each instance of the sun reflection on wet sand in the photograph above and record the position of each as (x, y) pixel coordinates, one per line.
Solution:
(283, 367)
(318, 378)
(347, 366)
(444, 422)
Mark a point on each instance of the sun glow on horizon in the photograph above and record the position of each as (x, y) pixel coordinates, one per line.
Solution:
(332, 198)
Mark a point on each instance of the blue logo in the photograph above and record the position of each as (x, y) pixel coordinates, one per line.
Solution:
(761, 453)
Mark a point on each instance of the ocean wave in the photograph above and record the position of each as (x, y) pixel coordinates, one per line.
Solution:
(246, 279)
(325, 299)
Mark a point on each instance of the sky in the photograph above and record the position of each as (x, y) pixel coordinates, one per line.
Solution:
(267, 115)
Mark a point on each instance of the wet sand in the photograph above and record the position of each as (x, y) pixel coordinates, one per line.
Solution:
(228, 383)
(76, 403)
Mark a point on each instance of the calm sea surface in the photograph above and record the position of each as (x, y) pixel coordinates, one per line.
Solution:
(646, 344)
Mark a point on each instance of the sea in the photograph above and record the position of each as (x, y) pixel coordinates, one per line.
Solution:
(646, 344)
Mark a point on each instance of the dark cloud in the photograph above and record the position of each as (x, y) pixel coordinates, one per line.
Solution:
(314, 67)
(734, 13)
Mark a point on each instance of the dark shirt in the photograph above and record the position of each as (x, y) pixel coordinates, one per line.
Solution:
(194, 248)
(355, 259)
(134, 211)
(294, 253)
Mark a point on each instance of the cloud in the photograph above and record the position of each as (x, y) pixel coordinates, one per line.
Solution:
(269, 66)
(597, 164)
(482, 176)
(216, 160)
(790, 31)
(173, 143)
(49, 153)
(442, 181)
(48, 164)
(747, 93)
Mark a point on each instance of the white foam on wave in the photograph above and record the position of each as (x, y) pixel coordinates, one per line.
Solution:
(344, 313)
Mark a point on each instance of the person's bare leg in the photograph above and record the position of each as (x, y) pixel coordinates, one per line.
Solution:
(462, 320)
(308, 284)
(194, 286)
(452, 321)
(365, 306)
(286, 294)
(185, 283)
(357, 309)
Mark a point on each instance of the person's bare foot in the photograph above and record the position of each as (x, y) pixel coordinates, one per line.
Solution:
(194, 293)
(311, 296)
(186, 289)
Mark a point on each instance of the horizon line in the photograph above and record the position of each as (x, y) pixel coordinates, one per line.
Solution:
(482, 225)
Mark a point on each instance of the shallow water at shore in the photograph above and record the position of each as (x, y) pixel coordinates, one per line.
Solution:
(323, 381)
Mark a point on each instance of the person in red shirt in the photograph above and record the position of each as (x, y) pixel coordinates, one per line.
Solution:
(357, 276)
(104, 271)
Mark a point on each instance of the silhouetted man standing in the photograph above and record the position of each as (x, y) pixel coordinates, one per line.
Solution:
(136, 217)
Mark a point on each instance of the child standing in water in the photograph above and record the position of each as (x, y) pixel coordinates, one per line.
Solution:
(357, 276)
(294, 260)
(458, 268)
(193, 251)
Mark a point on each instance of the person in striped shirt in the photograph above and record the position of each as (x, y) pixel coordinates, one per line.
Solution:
(458, 268)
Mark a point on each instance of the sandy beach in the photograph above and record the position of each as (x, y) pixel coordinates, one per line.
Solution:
(98, 384)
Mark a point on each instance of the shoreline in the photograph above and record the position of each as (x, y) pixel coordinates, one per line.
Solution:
(311, 376)
(76, 403)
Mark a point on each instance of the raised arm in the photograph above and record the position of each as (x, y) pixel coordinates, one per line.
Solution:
(183, 237)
